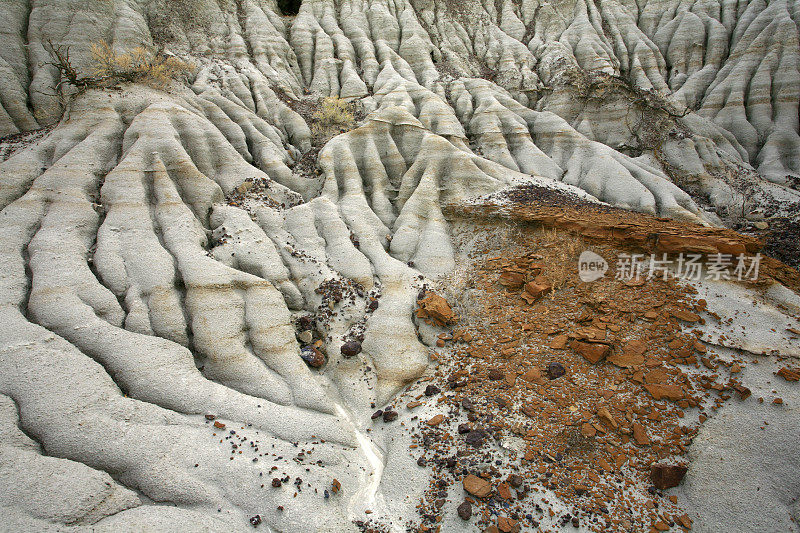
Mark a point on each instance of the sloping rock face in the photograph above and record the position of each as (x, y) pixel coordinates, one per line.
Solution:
(136, 296)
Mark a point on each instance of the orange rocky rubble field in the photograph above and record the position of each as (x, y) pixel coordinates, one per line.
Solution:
(555, 389)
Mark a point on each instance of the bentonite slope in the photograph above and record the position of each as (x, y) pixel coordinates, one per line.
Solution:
(164, 247)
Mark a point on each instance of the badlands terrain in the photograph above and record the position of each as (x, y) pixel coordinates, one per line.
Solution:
(314, 266)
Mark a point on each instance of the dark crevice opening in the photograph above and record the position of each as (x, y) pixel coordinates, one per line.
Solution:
(289, 7)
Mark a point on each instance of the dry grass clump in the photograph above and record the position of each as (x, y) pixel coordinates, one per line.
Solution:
(333, 116)
(137, 65)
(567, 247)
(110, 67)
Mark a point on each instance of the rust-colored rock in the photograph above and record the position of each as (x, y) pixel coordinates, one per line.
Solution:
(651, 315)
(507, 525)
(788, 374)
(659, 392)
(604, 415)
(537, 288)
(658, 375)
(640, 435)
(435, 310)
(559, 342)
(632, 355)
(580, 489)
(436, 420)
(686, 316)
(504, 491)
(219, 425)
(744, 392)
(312, 356)
(684, 521)
(477, 486)
(667, 476)
(336, 486)
(512, 280)
(533, 376)
(592, 352)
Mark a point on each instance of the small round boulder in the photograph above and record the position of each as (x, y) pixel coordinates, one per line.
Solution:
(351, 348)
(555, 370)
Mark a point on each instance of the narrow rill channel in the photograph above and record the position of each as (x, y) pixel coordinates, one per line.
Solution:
(367, 497)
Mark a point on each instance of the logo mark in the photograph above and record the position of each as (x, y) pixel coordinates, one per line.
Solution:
(591, 266)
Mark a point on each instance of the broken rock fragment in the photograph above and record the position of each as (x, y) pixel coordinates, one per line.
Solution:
(659, 392)
(532, 376)
(464, 510)
(312, 356)
(592, 352)
(666, 476)
(536, 289)
(632, 355)
(435, 310)
(475, 438)
(640, 435)
(684, 521)
(432, 390)
(504, 491)
(606, 417)
(477, 486)
(559, 342)
(686, 316)
(512, 280)
(507, 525)
(436, 420)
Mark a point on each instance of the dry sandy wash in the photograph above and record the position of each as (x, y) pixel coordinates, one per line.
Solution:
(174, 257)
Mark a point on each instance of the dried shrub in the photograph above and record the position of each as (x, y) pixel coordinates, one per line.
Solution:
(333, 116)
(137, 65)
(567, 247)
(110, 67)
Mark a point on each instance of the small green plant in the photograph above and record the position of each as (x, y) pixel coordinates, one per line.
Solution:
(333, 116)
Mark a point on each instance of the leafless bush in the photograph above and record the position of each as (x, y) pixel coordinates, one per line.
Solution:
(110, 67)
(333, 116)
(137, 65)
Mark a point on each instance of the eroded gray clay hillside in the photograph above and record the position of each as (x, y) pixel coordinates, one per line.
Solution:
(159, 245)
